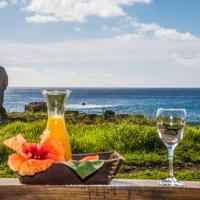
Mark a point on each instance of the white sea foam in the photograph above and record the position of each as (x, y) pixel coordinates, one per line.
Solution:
(87, 106)
(19, 107)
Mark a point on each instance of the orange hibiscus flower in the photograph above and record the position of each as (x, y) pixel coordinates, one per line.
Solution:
(31, 158)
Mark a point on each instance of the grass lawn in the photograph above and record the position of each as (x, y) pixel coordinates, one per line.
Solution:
(135, 137)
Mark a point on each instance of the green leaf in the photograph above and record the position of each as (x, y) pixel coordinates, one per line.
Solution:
(84, 168)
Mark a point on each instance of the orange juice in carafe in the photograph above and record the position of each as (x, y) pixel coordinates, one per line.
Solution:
(56, 127)
(57, 130)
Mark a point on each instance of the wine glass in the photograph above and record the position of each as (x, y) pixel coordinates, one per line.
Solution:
(170, 126)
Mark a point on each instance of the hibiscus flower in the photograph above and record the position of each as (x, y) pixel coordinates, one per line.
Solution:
(32, 158)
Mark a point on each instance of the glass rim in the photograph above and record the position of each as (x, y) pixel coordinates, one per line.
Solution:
(172, 109)
(56, 92)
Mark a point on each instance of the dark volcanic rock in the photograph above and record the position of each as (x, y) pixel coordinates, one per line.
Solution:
(72, 112)
(109, 114)
(36, 107)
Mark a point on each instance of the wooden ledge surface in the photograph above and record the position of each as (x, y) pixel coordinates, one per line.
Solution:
(11, 189)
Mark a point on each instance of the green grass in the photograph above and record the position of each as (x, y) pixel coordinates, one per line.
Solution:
(134, 137)
(159, 175)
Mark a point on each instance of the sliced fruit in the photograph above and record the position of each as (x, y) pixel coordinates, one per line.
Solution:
(90, 158)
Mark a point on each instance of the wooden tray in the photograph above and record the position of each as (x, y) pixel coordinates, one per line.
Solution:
(60, 174)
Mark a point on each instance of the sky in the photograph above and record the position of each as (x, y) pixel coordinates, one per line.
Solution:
(100, 43)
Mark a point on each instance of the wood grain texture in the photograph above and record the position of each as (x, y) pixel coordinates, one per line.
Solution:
(11, 189)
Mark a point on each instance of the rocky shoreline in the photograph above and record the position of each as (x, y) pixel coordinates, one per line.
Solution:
(76, 117)
(42, 107)
(38, 111)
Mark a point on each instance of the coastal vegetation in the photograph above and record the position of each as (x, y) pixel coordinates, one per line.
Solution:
(134, 136)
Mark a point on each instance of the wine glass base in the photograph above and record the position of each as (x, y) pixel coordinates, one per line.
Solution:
(171, 182)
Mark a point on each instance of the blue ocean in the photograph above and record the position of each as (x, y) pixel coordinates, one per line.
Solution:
(143, 101)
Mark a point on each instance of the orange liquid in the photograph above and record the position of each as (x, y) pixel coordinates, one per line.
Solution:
(57, 130)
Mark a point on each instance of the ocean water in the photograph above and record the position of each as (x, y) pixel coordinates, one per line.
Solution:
(143, 101)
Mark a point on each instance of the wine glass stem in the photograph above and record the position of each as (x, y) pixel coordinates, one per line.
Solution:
(170, 158)
(171, 171)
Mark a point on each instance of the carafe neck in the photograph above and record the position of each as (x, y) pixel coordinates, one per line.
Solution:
(56, 102)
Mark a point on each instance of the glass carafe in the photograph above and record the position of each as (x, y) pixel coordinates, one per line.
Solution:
(56, 127)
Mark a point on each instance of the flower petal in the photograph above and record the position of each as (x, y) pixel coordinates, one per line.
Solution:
(15, 160)
(33, 166)
(16, 143)
(45, 136)
(27, 167)
(56, 150)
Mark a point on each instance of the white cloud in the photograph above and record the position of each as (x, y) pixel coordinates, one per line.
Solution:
(141, 28)
(111, 29)
(129, 61)
(77, 29)
(52, 77)
(127, 37)
(45, 76)
(172, 34)
(124, 47)
(15, 1)
(76, 10)
(189, 61)
(156, 31)
(41, 19)
(84, 50)
(18, 1)
(3, 4)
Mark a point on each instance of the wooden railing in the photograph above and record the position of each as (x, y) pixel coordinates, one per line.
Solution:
(11, 189)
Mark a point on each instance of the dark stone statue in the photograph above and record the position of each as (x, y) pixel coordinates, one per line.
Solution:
(3, 86)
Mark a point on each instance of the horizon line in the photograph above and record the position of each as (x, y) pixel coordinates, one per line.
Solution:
(99, 87)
